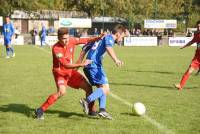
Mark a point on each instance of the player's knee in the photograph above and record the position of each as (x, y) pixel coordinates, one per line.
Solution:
(106, 91)
(190, 70)
(61, 91)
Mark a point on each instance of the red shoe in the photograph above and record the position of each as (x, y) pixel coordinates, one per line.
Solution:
(178, 86)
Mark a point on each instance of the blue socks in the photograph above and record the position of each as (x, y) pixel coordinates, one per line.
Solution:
(95, 95)
(98, 93)
(7, 51)
(12, 49)
(102, 102)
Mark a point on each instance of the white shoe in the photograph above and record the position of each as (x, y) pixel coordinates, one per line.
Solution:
(7, 57)
(13, 55)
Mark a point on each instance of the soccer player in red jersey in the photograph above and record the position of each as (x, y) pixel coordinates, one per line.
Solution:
(195, 65)
(65, 71)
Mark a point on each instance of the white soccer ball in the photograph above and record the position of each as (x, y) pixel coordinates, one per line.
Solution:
(139, 109)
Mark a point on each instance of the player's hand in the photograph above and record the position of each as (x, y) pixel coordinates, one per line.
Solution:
(87, 62)
(119, 63)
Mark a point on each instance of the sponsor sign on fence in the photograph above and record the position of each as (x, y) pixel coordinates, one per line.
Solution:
(179, 41)
(75, 22)
(140, 41)
(160, 23)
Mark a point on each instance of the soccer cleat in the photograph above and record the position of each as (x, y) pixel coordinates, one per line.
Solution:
(106, 115)
(84, 105)
(92, 114)
(7, 57)
(39, 114)
(178, 86)
(13, 55)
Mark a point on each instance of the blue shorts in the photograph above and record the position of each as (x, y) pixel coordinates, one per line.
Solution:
(96, 76)
(7, 41)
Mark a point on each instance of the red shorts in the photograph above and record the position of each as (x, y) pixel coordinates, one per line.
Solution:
(196, 60)
(73, 81)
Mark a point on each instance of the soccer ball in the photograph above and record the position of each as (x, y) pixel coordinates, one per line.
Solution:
(139, 109)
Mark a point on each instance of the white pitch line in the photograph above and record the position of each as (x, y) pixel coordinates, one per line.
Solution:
(159, 126)
(42, 49)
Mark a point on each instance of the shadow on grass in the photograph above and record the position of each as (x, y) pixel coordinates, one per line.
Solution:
(158, 72)
(171, 87)
(29, 112)
(129, 114)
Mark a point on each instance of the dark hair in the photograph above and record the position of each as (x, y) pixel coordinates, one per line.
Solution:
(62, 31)
(118, 28)
(198, 22)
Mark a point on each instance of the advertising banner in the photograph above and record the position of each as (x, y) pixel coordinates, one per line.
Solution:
(140, 41)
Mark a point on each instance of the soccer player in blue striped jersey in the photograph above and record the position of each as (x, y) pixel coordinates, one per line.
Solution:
(95, 72)
(8, 33)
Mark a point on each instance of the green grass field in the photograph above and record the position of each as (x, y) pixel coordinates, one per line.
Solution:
(147, 76)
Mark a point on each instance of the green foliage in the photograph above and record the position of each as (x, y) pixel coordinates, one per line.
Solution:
(132, 10)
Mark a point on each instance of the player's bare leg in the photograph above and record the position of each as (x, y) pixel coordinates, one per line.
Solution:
(50, 100)
(91, 106)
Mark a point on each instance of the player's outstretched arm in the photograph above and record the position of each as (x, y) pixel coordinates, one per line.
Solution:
(87, 39)
(113, 56)
(77, 65)
(187, 45)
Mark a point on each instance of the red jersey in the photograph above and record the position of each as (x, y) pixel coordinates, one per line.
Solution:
(64, 54)
(196, 39)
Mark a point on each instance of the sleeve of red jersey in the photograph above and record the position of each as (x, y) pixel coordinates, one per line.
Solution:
(194, 39)
(85, 40)
(58, 53)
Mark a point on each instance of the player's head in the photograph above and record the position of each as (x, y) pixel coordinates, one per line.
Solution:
(7, 19)
(198, 25)
(118, 32)
(63, 35)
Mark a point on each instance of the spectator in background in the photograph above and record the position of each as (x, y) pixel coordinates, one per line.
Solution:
(84, 33)
(101, 31)
(133, 31)
(127, 33)
(159, 38)
(189, 34)
(170, 33)
(155, 32)
(34, 33)
(165, 31)
(96, 33)
(77, 33)
(138, 32)
(108, 31)
(145, 32)
(17, 33)
(150, 32)
(43, 35)
(8, 33)
(51, 30)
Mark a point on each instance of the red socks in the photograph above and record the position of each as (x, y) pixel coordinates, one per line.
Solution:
(51, 99)
(184, 78)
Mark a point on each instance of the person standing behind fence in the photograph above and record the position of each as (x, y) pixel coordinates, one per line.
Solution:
(8, 33)
(43, 35)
